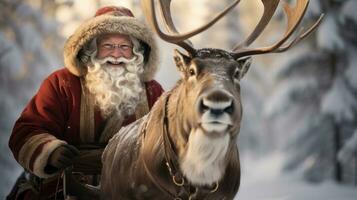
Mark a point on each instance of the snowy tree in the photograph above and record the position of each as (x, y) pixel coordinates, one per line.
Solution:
(314, 107)
(349, 150)
(30, 48)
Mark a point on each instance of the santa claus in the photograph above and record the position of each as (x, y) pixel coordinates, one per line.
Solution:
(107, 83)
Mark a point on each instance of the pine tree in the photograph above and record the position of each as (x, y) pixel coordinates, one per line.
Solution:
(315, 104)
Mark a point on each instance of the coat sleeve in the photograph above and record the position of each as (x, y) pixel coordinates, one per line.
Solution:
(39, 128)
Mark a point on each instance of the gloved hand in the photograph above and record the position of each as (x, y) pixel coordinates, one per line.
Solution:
(61, 158)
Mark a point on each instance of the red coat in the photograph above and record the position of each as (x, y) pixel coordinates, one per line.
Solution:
(52, 118)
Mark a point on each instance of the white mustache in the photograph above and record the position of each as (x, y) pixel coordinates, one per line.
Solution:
(114, 60)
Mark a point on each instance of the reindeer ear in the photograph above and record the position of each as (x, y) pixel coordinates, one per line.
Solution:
(181, 60)
(244, 64)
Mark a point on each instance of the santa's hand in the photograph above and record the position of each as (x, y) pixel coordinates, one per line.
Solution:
(62, 157)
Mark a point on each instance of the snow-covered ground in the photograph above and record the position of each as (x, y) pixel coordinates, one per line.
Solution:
(263, 180)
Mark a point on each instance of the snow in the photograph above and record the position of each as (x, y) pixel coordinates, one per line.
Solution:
(314, 8)
(349, 150)
(327, 34)
(10, 58)
(31, 41)
(331, 103)
(263, 180)
(283, 65)
(349, 9)
(287, 94)
(351, 71)
(25, 11)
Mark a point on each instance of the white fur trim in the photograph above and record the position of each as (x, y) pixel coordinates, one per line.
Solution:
(110, 24)
(26, 151)
(42, 158)
(203, 163)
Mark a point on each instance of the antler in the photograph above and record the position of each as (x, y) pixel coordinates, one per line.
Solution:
(269, 10)
(174, 36)
(294, 15)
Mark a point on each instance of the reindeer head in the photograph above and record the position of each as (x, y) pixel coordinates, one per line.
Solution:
(210, 81)
(211, 90)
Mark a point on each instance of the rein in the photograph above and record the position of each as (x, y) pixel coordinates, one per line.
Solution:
(186, 189)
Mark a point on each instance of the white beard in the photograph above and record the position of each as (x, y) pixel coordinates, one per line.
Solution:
(116, 88)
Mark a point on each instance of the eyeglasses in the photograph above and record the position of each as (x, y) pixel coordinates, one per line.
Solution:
(111, 47)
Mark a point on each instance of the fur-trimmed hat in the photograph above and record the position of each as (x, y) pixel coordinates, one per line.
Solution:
(111, 19)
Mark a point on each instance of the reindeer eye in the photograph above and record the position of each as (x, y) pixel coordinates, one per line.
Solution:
(192, 72)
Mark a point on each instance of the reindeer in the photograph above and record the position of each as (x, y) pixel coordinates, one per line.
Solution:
(185, 148)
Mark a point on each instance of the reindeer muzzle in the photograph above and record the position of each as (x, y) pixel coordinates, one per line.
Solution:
(216, 109)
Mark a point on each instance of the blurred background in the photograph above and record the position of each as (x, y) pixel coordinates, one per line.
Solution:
(299, 132)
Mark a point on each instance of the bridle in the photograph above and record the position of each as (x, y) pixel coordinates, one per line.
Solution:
(185, 189)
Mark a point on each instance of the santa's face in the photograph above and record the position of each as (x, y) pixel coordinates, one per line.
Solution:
(115, 82)
(114, 45)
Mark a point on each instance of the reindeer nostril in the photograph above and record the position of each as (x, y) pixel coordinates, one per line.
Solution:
(229, 109)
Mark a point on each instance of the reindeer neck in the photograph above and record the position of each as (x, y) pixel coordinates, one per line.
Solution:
(157, 155)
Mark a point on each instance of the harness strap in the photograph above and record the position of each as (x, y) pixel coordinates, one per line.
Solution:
(148, 172)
